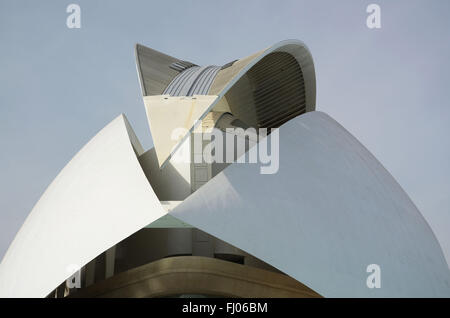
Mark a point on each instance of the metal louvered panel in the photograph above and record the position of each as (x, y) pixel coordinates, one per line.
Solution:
(270, 93)
(203, 81)
(178, 82)
(192, 81)
(181, 65)
(279, 91)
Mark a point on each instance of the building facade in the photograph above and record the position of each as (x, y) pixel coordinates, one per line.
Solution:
(123, 221)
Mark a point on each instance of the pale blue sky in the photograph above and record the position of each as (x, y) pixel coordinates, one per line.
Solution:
(59, 86)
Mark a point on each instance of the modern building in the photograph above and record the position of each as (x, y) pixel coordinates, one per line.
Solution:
(123, 221)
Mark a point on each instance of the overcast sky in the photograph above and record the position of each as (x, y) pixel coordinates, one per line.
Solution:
(58, 86)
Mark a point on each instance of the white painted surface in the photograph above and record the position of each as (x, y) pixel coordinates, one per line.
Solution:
(172, 181)
(170, 118)
(165, 113)
(100, 197)
(330, 211)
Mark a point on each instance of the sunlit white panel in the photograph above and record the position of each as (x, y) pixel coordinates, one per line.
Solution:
(330, 211)
(100, 197)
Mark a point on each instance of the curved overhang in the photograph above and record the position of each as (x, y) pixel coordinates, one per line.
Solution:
(197, 275)
(229, 76)
(158, 112)
(100, 197)
(329, 212)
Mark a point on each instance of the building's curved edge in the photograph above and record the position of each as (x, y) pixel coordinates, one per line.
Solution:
(297, 49)
(405, 194)
(99, 198)
(139, 69)
(197, 275)
(329, 212)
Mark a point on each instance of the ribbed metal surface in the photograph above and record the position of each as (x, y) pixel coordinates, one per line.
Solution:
(154, 70)
(279, 90)
(194, 80)
(181, 65)
(270, 93)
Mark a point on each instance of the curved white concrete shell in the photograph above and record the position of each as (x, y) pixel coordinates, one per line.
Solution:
(100, 197)
(223, 82)
(229, 76)
(329, 212)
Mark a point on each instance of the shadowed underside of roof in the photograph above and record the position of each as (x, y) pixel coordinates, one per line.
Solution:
(270, 93)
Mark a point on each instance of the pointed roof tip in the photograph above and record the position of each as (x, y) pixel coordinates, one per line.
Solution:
(153, 69)
(136, 46)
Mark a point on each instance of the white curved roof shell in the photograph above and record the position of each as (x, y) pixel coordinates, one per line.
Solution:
(100, 197)
(329, 212)
(165, 145)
